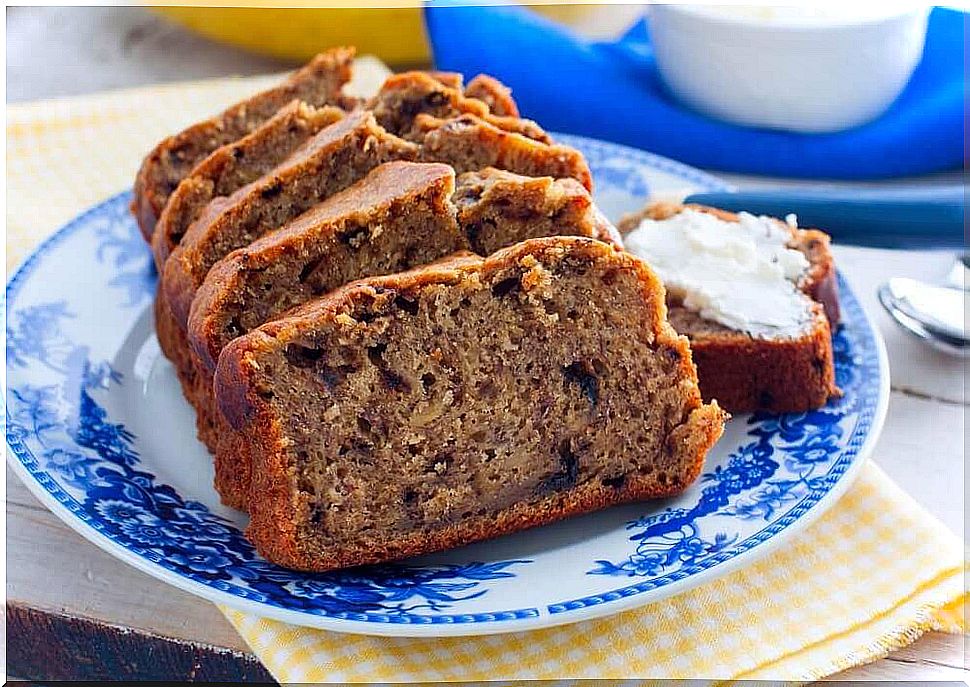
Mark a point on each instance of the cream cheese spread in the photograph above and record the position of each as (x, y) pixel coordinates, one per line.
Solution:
(739, 274)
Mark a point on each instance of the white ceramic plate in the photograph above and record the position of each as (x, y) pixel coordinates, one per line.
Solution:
(99, 431)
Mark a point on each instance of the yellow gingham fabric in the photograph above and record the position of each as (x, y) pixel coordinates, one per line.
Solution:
(870, 575)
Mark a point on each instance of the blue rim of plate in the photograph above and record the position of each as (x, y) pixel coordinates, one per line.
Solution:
(871, 404)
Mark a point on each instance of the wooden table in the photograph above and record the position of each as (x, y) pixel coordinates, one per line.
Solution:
(74, 612)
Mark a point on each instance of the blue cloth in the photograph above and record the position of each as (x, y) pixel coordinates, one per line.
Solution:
(612, 91)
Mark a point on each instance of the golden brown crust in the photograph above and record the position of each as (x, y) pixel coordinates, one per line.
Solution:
(232, 474)
(235, 164)
(242, 397)
(449, 79)
(196, 383)
(319, 83)
(747, 374)
(470, 143)
(493, 93)
(408, 95)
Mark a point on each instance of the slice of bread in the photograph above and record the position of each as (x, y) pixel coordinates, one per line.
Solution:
(406, 414)
(399, 216)
(233, 166)
(318, 83)
(498, 208)
(747, 373)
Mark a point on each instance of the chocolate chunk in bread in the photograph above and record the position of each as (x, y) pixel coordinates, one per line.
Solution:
(746, 372)
(470, 143)
(405, 96)
(233, 166)
(489, 395)
(329, 162)
(318, 83)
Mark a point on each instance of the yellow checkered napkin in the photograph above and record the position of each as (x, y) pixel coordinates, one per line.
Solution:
(869, 576)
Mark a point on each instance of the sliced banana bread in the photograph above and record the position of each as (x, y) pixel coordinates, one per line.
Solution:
(397, 217)
(498, 208)
(336, 157)
(779, 363)
(329, 162)
(406, 414)
(233, 166)
(318, 83)
(401, 215)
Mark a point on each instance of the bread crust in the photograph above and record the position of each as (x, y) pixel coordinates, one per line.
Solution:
(493, 93)
(747, 374)
(273, 527)
(319, 82)
(407, 95)
(482, 144)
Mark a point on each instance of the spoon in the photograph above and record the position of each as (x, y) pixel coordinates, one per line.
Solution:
(935, 314)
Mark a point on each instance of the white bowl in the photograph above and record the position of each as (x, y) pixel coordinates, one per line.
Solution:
(785, 68)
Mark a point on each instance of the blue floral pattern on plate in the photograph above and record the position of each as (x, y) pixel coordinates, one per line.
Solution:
(77, 442)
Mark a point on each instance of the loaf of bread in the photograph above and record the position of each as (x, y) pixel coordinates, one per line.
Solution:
(776, 372)
(405, 414)
(318, 83)
(374, 379)
(399, 216)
